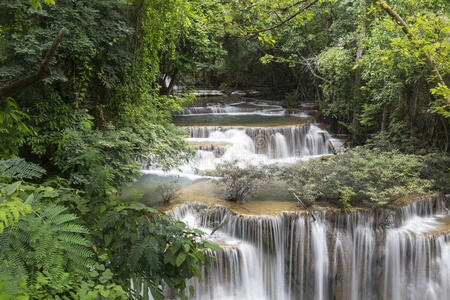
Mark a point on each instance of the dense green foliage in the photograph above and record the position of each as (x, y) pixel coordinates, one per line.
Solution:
(55, 243)
(353, 60)
(370, 176)
(89, 123)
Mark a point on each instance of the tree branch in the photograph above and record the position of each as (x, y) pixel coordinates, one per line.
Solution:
(304, 206)
(253, 33)
(429, 60)
(305, 62)
(43, 71)
(219, 226)
(311, 69)
(292, 5)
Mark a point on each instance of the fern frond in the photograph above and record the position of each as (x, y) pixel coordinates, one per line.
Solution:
(74, 239)
(136, 253)
(52, 210)
(151, 257)
(109, 220)
(78, 251)
(4, 240)
(11, 211)
(73, 228)
(48, 243)
(64, 218)
(78, 257)
(12, 276)
(17, 168)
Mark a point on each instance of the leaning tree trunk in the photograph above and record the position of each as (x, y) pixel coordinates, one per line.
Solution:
(429, 60)
(44, 71)
(384, 117)
(357, 85)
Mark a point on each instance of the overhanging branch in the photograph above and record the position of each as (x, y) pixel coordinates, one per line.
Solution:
(429, 60)
(253, 33)
(44, 71)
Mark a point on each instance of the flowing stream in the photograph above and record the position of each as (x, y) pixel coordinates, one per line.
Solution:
(363, 254)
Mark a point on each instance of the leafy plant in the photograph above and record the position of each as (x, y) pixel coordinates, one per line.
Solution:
(18, 168)
(365, 175)
(436, 167)
(13, 204)
(13, 128)
(142, 243)
(48, 249)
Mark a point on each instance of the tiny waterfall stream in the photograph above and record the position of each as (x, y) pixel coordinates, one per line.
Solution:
(362, 254)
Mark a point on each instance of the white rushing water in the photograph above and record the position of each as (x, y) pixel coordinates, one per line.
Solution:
(252, 143)
(392, 256)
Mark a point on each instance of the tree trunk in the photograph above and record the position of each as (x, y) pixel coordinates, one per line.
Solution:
(384, 118)
(413, 114)
(43, 71)
(445, 134)
(429, 60)
(357, 83)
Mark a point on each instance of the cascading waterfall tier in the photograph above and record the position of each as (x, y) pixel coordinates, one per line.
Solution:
(392, 255)
(248, 133)
(235, 108)
(273, 142)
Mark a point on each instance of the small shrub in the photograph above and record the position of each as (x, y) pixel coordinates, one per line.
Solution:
(346, 194)
(242, 183)
(168, 191)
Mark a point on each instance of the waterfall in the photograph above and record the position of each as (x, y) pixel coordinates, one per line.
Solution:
(272, 142)
(250, 132)
(398, 254)
(415, 276)
(363, 254)
(251, 108)
(278, 146)
(320, 259)
(214, 109)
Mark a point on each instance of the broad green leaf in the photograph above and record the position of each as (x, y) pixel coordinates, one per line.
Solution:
(180, 259)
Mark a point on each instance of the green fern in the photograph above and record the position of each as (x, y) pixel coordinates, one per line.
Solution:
(17, 168)
(12, 278)
(11, 211)
(11, 207)
(48, 244)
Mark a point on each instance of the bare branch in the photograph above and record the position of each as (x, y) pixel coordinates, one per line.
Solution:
(307, 63)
